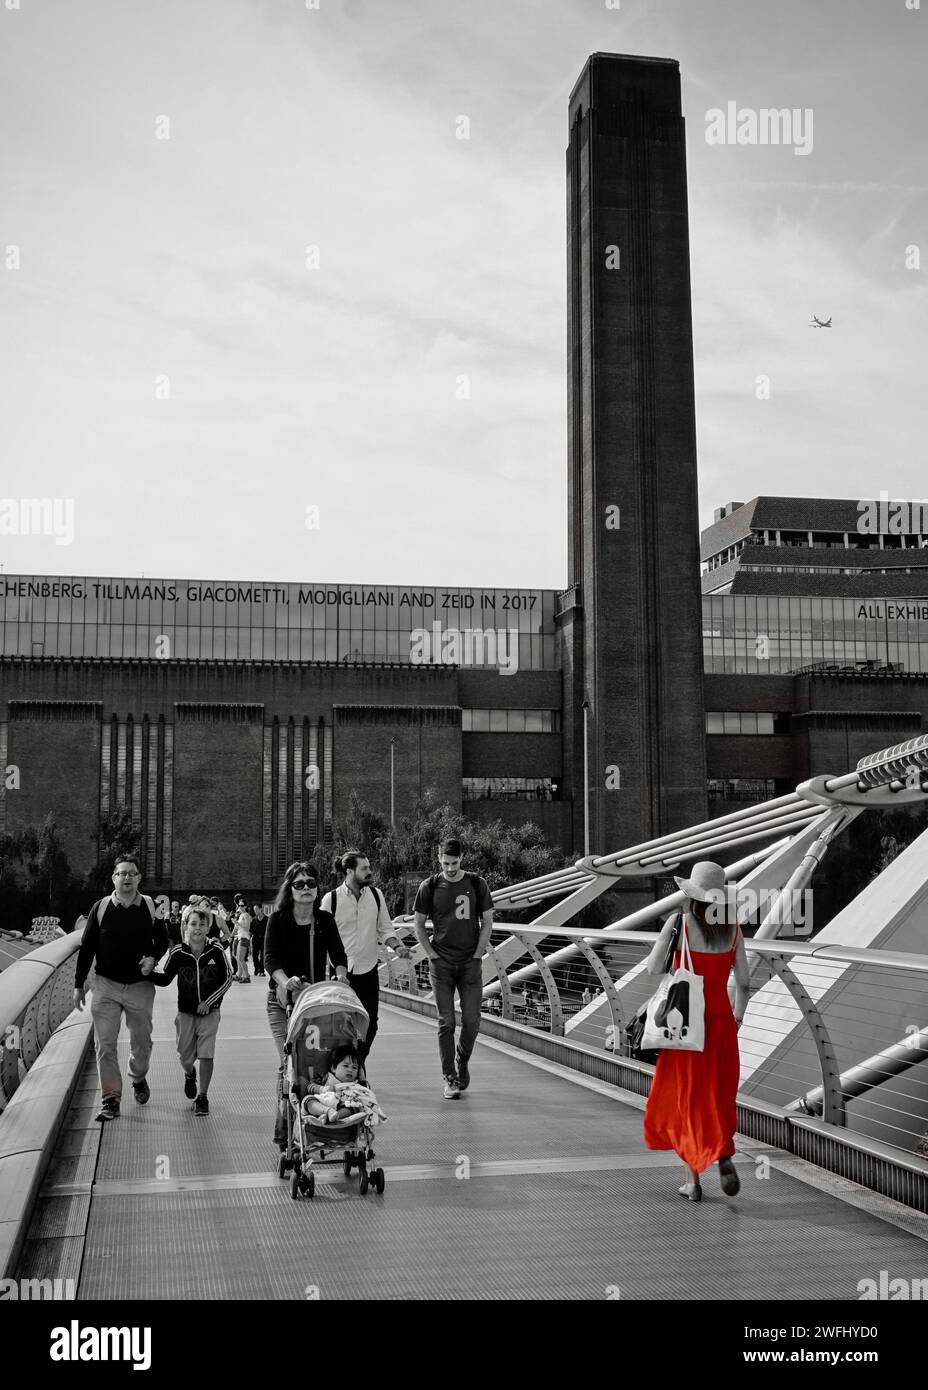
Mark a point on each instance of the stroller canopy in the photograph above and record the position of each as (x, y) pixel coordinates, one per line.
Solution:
(326, 1015)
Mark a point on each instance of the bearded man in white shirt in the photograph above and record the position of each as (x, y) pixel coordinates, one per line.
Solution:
(364, 925)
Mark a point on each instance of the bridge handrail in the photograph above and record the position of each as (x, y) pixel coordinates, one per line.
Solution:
(35, 997)
(792, 990)
(775, 946)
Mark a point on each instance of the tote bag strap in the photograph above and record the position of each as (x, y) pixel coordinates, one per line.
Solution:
(686, 958)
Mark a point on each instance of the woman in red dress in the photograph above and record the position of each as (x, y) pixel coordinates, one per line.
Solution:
(692, 1105)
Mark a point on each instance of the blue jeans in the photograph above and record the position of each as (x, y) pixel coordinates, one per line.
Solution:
(467, 978)
(277, 1018)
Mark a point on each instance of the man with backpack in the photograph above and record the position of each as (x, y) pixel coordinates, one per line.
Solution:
(461, 908)
(364, 925)
(125, 938)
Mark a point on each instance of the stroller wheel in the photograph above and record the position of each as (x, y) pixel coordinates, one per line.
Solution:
(311, 1185)
(295, 1186)
(379, 1180)
(282, 1166)
(364, 1183)
(347, 1165)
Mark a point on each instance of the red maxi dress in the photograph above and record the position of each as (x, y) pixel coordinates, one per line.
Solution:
(692, 1107)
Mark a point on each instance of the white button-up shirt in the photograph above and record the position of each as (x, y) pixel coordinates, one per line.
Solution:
(361, 927)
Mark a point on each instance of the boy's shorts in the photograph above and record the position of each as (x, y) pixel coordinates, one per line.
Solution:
(196, 1037)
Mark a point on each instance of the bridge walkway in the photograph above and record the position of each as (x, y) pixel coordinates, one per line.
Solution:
(535, 1185)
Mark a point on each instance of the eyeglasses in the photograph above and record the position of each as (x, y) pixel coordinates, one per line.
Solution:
(302, 883)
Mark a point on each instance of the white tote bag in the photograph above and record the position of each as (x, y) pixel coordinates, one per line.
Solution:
(676, 1016)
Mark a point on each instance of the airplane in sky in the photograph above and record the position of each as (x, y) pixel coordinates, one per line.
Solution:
(820, 323)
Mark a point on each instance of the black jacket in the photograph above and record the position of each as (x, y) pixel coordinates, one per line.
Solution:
(202, 980)
(119, 943)
(286, 946)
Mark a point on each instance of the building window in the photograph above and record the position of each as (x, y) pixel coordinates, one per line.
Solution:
(510, 789)
(741, 789)
(511, 721)
(737, 722)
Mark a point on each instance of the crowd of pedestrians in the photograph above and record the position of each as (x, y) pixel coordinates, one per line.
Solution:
(310, 936)
(307, 937)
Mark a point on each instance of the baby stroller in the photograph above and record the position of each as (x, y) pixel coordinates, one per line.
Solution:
(323, 1016)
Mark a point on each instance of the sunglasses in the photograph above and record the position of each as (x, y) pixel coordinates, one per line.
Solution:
(301, 883)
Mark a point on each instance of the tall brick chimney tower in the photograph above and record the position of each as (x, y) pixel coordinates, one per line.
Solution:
(631, 618)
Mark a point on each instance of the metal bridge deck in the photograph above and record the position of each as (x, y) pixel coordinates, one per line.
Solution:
(562, 1200)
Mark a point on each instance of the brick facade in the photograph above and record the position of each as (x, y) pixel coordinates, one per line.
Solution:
(214, 758)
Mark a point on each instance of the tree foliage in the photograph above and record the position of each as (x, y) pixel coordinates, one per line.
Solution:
(500, 853)
(115, 835)
(35, 876)
(865, 849)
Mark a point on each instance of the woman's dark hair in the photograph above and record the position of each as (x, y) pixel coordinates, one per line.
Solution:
(340, 1052)
(284, 899)
(715, 931)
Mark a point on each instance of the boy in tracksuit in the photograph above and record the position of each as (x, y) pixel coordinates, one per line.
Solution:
(203, 975)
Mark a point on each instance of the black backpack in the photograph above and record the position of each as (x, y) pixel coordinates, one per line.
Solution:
(331, 898)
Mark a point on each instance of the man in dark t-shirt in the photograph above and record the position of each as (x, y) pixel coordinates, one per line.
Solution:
(461, 910)
(258, 928)
(173, 926)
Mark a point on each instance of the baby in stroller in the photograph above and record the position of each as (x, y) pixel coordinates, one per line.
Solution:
(340, 1097)
(326, 1107)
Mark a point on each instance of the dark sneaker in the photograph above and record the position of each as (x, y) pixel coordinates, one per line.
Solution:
(190, 1084)
(201, 1106)
(142, 1093)
(452, 1089)
(731, 1183)
(463, 1073)
(109, 1110)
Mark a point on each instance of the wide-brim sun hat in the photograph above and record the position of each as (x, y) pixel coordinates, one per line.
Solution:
(706, 882)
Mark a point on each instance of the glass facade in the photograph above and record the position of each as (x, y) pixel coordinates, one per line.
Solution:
(511, 721)
(766, 635)
(735, 722)
(506, 628)
(741, 788)
(509, 789)
(220, 621)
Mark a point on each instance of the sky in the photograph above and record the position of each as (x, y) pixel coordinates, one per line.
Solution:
(218, 401)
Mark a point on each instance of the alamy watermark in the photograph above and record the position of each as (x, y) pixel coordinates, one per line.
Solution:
(471, 646)
(766, 126)
(894, 517)
(38, 1290)
(885, 1289)
(785, 908)
(38, 516)
(77, 1343)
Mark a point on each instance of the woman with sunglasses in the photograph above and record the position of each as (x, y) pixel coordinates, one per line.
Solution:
(299, 938)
